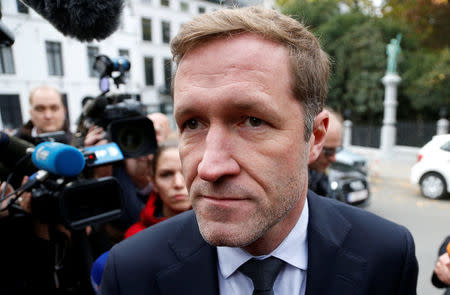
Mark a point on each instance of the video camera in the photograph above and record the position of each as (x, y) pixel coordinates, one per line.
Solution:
(59, 194)
(122, 116)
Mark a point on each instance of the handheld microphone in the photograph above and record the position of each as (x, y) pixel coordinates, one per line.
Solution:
(82, 19)
(58, 158)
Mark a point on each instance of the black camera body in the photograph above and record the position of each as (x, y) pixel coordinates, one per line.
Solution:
(56, 136)
(78, 203)
(123, 117)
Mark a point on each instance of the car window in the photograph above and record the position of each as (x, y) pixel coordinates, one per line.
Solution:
(446, 146)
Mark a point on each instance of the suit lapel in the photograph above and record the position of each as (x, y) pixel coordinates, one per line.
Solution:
(331, 268)
(196, 272)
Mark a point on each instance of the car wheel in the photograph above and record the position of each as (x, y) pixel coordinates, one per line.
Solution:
(433, 186)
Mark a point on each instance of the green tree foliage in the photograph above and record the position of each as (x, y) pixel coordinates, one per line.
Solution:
(430, 19)
(430, 90)
(356, 42)
(358, 65)
(312, 13)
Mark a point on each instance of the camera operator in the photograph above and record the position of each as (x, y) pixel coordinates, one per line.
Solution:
(133, 174)
(37, 257)
(47, 114)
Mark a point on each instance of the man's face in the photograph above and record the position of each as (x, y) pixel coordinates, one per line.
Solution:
(333, 142)
(47, 111)
(139, 170)
(241, 139)
(162, 126)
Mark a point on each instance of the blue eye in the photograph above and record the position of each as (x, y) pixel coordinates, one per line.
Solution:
(254, 122)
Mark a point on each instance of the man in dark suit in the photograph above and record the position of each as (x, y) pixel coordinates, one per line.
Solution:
(248, 101)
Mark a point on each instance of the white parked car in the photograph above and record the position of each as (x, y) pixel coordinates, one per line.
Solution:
(432, 170)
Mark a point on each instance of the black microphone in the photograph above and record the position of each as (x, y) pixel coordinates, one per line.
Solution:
(13, 149)
(82, 19)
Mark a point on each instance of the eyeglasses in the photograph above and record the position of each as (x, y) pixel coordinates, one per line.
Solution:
(330, 152)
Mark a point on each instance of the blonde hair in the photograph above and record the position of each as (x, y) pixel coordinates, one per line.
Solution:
(309, 64)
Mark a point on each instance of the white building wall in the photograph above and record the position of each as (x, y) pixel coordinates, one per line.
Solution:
(30, 58)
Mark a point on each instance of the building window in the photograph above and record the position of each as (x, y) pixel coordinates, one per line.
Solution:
(6, 61)
(124, 53)
(146, 29)
(21, 8)
(184, 6)
(10, 114)
(201, 9)
(54, 58)
(148, 68)
(92, 52)
(167, 73)
(165, 32)
(165, 3)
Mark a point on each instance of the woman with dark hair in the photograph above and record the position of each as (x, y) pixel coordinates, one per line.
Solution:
(168, 198)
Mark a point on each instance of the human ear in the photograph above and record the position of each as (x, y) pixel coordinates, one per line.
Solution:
(319, 132)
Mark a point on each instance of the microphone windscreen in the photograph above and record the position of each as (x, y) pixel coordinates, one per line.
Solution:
(58, 158)
(82, 19)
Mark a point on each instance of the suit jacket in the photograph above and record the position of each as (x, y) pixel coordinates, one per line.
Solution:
(350, 251)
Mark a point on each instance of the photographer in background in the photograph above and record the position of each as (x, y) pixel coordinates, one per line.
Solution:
(47, 114)
(134, 176)
(318, 180)
(38, 257)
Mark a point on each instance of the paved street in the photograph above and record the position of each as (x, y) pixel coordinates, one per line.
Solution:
(394, 198)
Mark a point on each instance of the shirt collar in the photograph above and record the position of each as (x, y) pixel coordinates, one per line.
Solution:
(34, 132)
(293, 250)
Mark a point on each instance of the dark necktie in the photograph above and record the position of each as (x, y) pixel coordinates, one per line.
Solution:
(263, 273)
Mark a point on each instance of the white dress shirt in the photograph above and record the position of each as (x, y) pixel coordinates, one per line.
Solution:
(292, 277)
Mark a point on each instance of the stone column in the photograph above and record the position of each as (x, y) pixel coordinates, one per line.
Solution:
(442, 123)
(442, 126)
(347, 140)
(388, 131)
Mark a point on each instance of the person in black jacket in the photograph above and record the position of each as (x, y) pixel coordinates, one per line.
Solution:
(318, 180)
(441, 274)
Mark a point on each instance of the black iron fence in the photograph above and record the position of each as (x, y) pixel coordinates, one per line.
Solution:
(409, 133)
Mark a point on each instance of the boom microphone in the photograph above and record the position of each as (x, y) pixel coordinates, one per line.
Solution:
(82, 19)
(58, 158)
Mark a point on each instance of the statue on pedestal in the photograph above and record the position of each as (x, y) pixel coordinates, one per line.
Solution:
(393, 50)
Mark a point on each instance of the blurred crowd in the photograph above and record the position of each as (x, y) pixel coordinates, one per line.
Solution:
(50, 256)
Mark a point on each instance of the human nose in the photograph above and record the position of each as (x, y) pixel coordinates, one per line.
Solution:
(217, 160)
(179, 180)
(48, 113)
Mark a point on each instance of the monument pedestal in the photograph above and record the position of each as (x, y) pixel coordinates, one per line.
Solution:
(388, 131)
(347, 140)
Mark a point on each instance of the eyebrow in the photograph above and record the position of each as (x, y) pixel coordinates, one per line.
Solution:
(254, 105)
